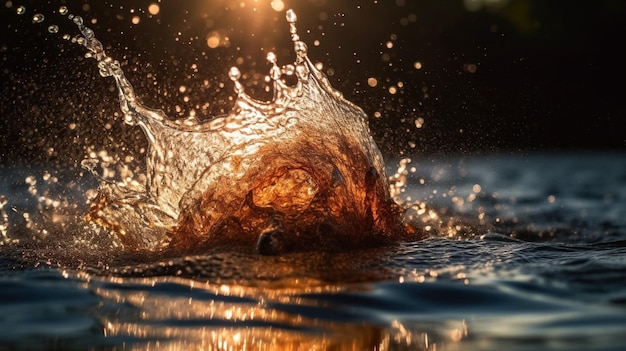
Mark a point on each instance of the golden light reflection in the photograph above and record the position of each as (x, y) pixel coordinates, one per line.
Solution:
(178, 314)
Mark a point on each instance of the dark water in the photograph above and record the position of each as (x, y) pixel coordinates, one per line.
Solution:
(537, 262)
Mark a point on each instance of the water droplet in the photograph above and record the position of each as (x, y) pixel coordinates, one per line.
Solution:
(63, 10)
(38, 18)
(275, 72)
(291, 16)
(300, 48)
(234, 73)
(289, 70)
(53, 29)
(213, 39)
(154, 9)
(88, 33)
(277, 5)
(271, 57)
(20, 10)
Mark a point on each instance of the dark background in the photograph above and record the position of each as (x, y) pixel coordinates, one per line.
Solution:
(507, 76)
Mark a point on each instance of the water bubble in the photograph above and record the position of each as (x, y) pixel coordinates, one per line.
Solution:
(20, 10)
(53, 29)
(38, 18)
(63, 10)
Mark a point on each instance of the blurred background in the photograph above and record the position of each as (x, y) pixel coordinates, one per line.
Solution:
(435, 77)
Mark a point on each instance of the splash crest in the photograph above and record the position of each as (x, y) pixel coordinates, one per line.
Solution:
(299, 172)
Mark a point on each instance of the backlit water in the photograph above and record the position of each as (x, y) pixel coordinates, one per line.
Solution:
(526, 251)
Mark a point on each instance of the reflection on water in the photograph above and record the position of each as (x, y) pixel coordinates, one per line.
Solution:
(438, 294)
(229, 317)
(560, 289)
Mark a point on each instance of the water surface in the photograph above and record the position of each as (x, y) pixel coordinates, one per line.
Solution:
(538, 263)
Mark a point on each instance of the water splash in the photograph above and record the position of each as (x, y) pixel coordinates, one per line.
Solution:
(298, 172)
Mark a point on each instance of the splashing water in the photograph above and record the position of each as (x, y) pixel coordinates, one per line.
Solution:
(299, 172)
(548, 274)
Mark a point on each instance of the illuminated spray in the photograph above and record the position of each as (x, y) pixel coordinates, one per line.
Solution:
(299, 171)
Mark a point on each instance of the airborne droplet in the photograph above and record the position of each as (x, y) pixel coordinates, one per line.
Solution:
(291, 16)
(300, 49)
(38, 18)
(78, 20)
(271, 57)
(234, 73)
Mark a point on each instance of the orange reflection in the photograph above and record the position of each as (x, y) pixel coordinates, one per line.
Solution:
(165, 315)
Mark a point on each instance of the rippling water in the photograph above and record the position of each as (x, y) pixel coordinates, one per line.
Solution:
(538, 262)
